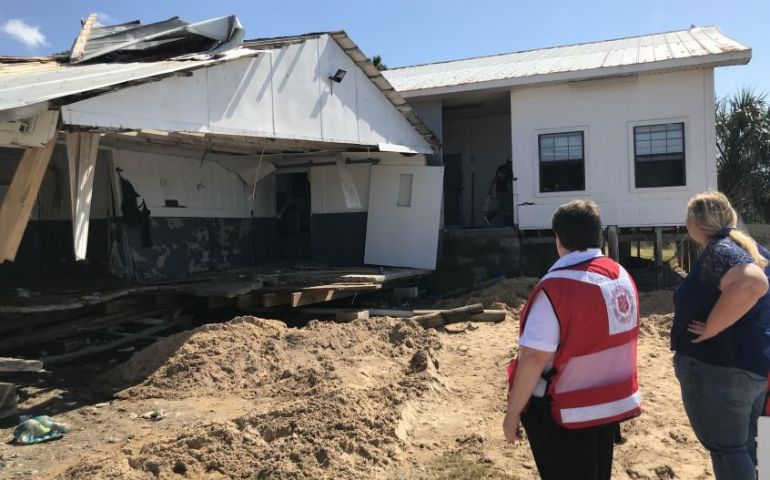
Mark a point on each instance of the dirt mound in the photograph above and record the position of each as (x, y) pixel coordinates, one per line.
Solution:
(510, 293)
(656, 302)
(254, 357)
(656, 325)
(330, 399)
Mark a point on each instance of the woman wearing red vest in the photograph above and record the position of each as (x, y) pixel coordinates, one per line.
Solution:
(721, 336)
(575, 377)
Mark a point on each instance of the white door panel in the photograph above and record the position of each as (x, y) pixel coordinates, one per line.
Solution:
(404, 216)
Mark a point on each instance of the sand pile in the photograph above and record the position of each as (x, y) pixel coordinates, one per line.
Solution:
(329, 399)
(507, 293)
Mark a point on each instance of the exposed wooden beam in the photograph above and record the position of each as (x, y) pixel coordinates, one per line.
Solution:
(82, 149)
(20, 198)
(79, 47)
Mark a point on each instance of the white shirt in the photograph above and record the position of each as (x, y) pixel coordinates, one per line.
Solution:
(541, 331)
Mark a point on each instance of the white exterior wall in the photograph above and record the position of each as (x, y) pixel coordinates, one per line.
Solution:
(607, 110)
(284, 93)
(326, 183)
(204, 189)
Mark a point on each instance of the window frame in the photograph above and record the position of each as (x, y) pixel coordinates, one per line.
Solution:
(632, 126)
(537, 134)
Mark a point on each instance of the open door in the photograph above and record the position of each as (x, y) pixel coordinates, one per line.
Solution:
(404, 216)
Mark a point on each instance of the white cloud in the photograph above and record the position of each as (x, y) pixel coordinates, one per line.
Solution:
(30, 36)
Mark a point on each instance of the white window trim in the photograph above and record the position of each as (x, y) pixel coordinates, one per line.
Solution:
(688, 166)
(586, 168)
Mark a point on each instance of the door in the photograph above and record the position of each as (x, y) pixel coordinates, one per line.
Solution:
(404, 216)
(453, 190)
(293, 203)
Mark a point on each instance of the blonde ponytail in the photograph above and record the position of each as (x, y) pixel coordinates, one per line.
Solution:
(711, 212)
(747, 243)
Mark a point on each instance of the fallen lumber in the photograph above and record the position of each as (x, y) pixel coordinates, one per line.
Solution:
(445, 317)
(111, 345)
(19, 365)
(485, 316)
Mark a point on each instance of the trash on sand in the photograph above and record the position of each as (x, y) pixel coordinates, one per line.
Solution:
(39, 429)
(154, 415)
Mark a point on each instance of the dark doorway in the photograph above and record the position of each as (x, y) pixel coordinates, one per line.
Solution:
(293, 206)
(453, 189)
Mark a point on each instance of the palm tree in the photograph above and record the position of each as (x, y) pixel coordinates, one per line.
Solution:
(377, 62)
(743, 153)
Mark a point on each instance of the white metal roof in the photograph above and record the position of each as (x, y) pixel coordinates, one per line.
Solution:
(27, 83)
(698, 46)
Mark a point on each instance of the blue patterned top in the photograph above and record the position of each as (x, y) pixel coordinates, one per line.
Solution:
(746, 343)
(718, 257)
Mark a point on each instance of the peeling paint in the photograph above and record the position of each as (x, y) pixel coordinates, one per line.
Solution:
(193, 245)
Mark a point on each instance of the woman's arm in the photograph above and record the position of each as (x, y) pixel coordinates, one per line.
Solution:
(741, 287)
(531, 363)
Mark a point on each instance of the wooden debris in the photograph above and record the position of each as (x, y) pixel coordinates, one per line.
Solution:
(8, 406)
(493, 316)
(19, 365)
(350, 315)
(444, 317)
(105, 347)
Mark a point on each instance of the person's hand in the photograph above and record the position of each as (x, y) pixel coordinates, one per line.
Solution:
(511, 427)
(701, 330)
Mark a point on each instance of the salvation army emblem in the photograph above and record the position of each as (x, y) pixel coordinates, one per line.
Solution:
(622, 304)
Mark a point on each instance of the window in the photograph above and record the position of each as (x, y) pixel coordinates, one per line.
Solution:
(562, 162)
(659, 155)
(405, 190)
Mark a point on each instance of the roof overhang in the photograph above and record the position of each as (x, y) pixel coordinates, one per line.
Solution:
(711, 61)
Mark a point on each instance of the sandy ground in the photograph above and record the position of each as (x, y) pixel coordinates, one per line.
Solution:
(370, 399)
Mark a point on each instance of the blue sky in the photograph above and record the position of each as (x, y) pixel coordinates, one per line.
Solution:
(418, 31)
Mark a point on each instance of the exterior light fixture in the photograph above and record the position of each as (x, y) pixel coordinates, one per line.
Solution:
(338, 76)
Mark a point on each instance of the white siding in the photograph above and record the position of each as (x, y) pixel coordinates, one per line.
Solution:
(202, 189)
(283, 93)
(326, 184)
(607, 111)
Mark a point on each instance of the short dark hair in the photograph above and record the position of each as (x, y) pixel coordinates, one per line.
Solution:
(578, 225)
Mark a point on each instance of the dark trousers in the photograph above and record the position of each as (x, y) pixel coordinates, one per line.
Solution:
(565, 454)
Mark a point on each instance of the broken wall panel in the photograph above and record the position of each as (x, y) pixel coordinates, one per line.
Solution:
(175, 186)
(47, 241)
(185, 245)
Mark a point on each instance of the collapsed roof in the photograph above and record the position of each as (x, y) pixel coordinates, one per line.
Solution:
(174, 37)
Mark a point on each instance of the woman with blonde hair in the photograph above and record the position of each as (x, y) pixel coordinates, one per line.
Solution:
(721, 336)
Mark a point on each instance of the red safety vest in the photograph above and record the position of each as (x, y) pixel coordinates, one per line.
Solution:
(594, 378)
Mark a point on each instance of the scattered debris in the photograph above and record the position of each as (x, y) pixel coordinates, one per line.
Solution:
(39, 429)
(154, 415)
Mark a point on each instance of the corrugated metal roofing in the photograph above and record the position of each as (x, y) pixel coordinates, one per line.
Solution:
(679, 49)
(28, 83)
(36, 81)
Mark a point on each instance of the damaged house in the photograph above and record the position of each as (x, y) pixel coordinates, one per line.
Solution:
(164, 151)
(628, 123)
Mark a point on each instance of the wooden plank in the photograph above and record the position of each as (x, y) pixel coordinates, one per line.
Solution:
(19, 365)
(82, 149)
(658, 247)
(612, 242)
(78, 48)
(441, 318)
(318, 296)
(78, 326)
(273, 299)
(20, 198)
(105, 347)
